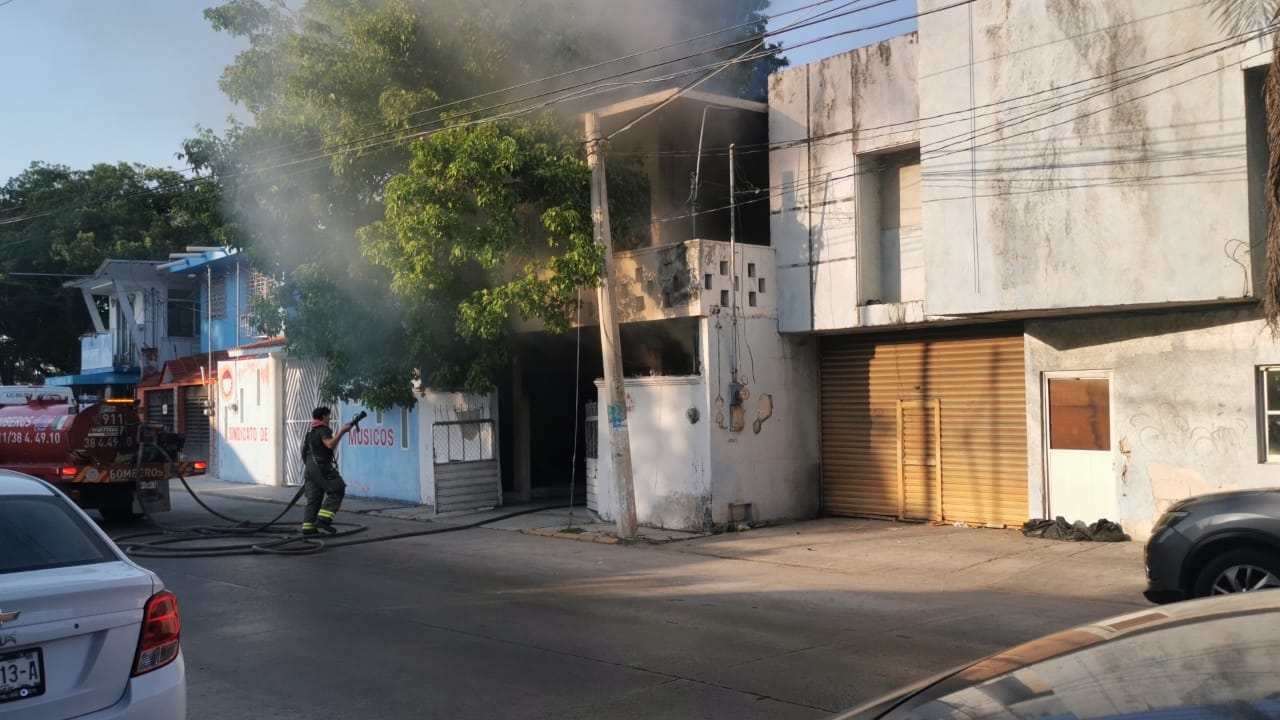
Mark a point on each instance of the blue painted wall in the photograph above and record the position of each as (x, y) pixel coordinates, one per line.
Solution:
(225, 332)
(380, 460)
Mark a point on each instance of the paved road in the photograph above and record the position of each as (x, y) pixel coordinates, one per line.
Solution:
(494, 624)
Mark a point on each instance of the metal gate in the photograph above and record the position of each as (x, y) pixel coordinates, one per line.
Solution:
(466, 467)
(301, 396)
(591, 430)
(195, 423)
(925, 425)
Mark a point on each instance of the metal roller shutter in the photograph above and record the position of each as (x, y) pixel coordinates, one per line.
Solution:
(196, 423)
(926, 426)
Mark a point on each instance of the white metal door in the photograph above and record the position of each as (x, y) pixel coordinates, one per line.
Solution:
(1079, 457)
(301, 396)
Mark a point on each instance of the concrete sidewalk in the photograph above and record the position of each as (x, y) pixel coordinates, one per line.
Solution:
(879, 553)
(890, 555)
(551, 518)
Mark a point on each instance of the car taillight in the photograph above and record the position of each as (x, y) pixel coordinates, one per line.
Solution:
(158, 645)
(68, 472)
(199, 467)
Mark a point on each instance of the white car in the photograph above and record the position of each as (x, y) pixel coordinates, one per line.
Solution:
(84, 632)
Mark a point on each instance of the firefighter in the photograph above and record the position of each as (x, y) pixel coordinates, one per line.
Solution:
(322, 482)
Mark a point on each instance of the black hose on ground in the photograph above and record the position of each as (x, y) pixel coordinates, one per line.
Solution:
(271, 537)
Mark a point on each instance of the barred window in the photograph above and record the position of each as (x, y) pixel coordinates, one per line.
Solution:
(1269, 409)
(463, 441)
(261, 285)
(218, 300)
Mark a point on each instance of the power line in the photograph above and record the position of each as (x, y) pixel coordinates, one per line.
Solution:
(1110, 87)
(995, 106)
(377, 144)
(811, 182)
(568, 73)
(334, 152)
(595, 86)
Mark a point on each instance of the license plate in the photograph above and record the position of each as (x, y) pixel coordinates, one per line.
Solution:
(21, 674)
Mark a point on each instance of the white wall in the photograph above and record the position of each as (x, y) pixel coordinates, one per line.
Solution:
(687, 473)
(670, 454)
(1184, 411)
(772, 462)
(1087, 185)
(789, 196)
(250, 421)
(863, 101)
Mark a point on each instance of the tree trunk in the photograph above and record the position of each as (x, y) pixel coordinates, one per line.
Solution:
(1271, 97)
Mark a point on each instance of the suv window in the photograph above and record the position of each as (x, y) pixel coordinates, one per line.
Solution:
(42, 532)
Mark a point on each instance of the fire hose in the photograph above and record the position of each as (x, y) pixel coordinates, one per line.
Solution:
(271, 537)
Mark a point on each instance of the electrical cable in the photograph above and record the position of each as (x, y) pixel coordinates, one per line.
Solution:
(996, 107)
(329, 155)
(1238, 40)
(334, 152)
(349, 147)
(750, 55)
(602, 85)
(577, 405)
(456, 103)
(1249, 35)
(814, 182)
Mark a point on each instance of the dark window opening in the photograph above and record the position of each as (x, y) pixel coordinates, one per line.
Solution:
(1269, 410)
(1257, 155)
(182, 313)
(666, 347)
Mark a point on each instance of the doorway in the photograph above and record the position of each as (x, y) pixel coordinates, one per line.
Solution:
(1080, 464)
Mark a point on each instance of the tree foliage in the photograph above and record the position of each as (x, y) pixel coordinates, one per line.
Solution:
(63, 223)
(490, 220)
(421, 252)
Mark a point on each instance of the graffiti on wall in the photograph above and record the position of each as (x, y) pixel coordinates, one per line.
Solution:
(1171, 430)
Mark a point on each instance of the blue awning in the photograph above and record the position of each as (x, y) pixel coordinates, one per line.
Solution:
(100, 378)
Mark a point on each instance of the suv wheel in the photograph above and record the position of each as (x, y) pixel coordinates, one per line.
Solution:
(1237, 571)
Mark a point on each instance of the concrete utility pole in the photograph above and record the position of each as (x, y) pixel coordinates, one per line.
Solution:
(610, 344)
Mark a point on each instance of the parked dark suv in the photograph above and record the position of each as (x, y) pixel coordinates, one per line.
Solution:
(1215, 544)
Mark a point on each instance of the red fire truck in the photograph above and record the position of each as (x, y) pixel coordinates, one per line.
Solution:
(103, 456)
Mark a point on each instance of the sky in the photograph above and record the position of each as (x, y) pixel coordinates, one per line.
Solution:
(91, 81)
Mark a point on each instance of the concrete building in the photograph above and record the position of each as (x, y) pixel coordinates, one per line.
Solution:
(140, 321)
(720, 405)
(1030, 238)
(441, 452)
(218, 285)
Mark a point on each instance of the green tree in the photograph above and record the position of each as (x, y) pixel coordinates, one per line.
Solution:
(1237, 17)
(461, 227)
(57, 223)
(489, 220)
